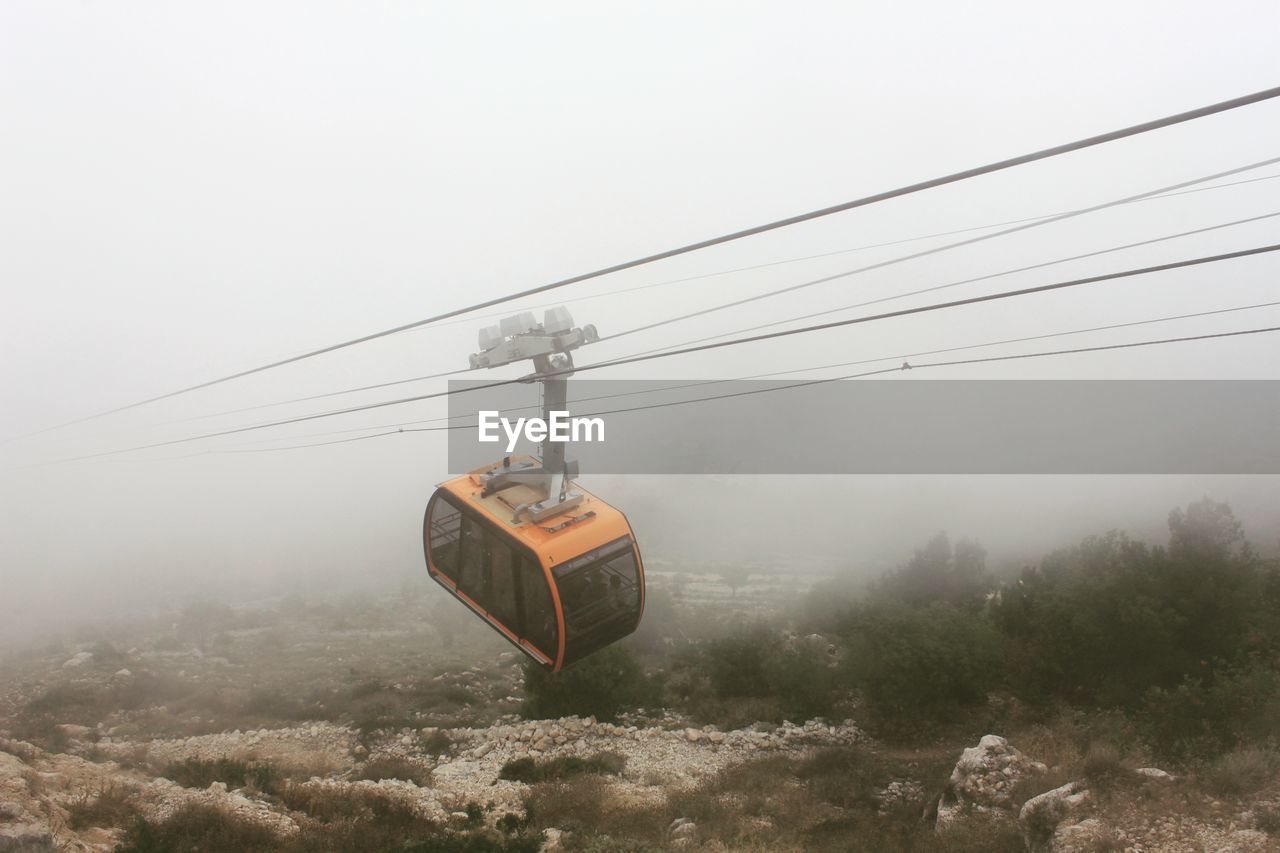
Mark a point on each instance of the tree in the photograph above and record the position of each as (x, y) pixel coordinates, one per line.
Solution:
(603, 684)
(735, 577)
(1205, 530)
(200, 619)
(938, 572)
(920, 664)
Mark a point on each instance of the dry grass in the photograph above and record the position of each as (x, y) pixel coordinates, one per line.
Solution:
(199, 827)
(1243, 771)
(1056, 744)
(109, 805)
(826, 801)
(1104, 766)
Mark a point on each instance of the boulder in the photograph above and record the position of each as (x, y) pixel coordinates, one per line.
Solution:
(25, 838)
(74, 731)
(552, 841)
(1041, 815)
(983, 780)
(682, 833)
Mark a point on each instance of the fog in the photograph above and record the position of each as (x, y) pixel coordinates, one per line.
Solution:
(189, 191)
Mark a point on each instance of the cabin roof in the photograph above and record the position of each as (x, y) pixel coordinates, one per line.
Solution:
(591, 523)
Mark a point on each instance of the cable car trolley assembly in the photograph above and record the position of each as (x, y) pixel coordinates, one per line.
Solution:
(551, 567)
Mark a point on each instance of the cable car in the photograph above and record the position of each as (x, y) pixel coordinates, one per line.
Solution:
(559, 588)
(546, 564)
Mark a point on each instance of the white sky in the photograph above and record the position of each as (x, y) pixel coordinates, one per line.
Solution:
(191, 189)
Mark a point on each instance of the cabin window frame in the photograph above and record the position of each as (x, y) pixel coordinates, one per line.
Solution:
(615, 623)
(476, 531)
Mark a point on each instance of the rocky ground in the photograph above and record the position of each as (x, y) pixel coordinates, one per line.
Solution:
(416, 705)
(38, 789)
(1079, 818)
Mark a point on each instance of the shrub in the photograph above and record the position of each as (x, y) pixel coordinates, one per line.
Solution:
(848, 777)
(1242, 771)
(1103, 764)
(529, 770)
(604, 684)
(356, 821)
(108, 806)
(916, 666)
(753, 674)
(437, 743)
(1206, 716)
(1103, 622)
(201, 773)
(759, 663)
(198, 827)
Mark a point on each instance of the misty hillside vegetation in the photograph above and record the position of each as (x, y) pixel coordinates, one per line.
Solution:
(1173, 649)
(754, 710)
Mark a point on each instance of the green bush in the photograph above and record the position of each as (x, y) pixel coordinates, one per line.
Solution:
(198, 827)
(530, 770)
(1206, 716)
(938, 572)
(759, 663)
(604, 684)
(1102, 622)
(920, 665)
(201, 773)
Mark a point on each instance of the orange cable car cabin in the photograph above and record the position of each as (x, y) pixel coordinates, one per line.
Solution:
(557, 586)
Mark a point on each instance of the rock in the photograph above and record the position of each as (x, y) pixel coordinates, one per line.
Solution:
(692, 735)
(544, 744)
(77, 660)
(1041, 815)
(25, 838)
(983, 780)
(716, 737)
(75, 732)
(482, 750)
(217, 787)
(1156, 773)
(1087, 836)
(552, 841)
(682, 832)
(123, 673)
(407, 740)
